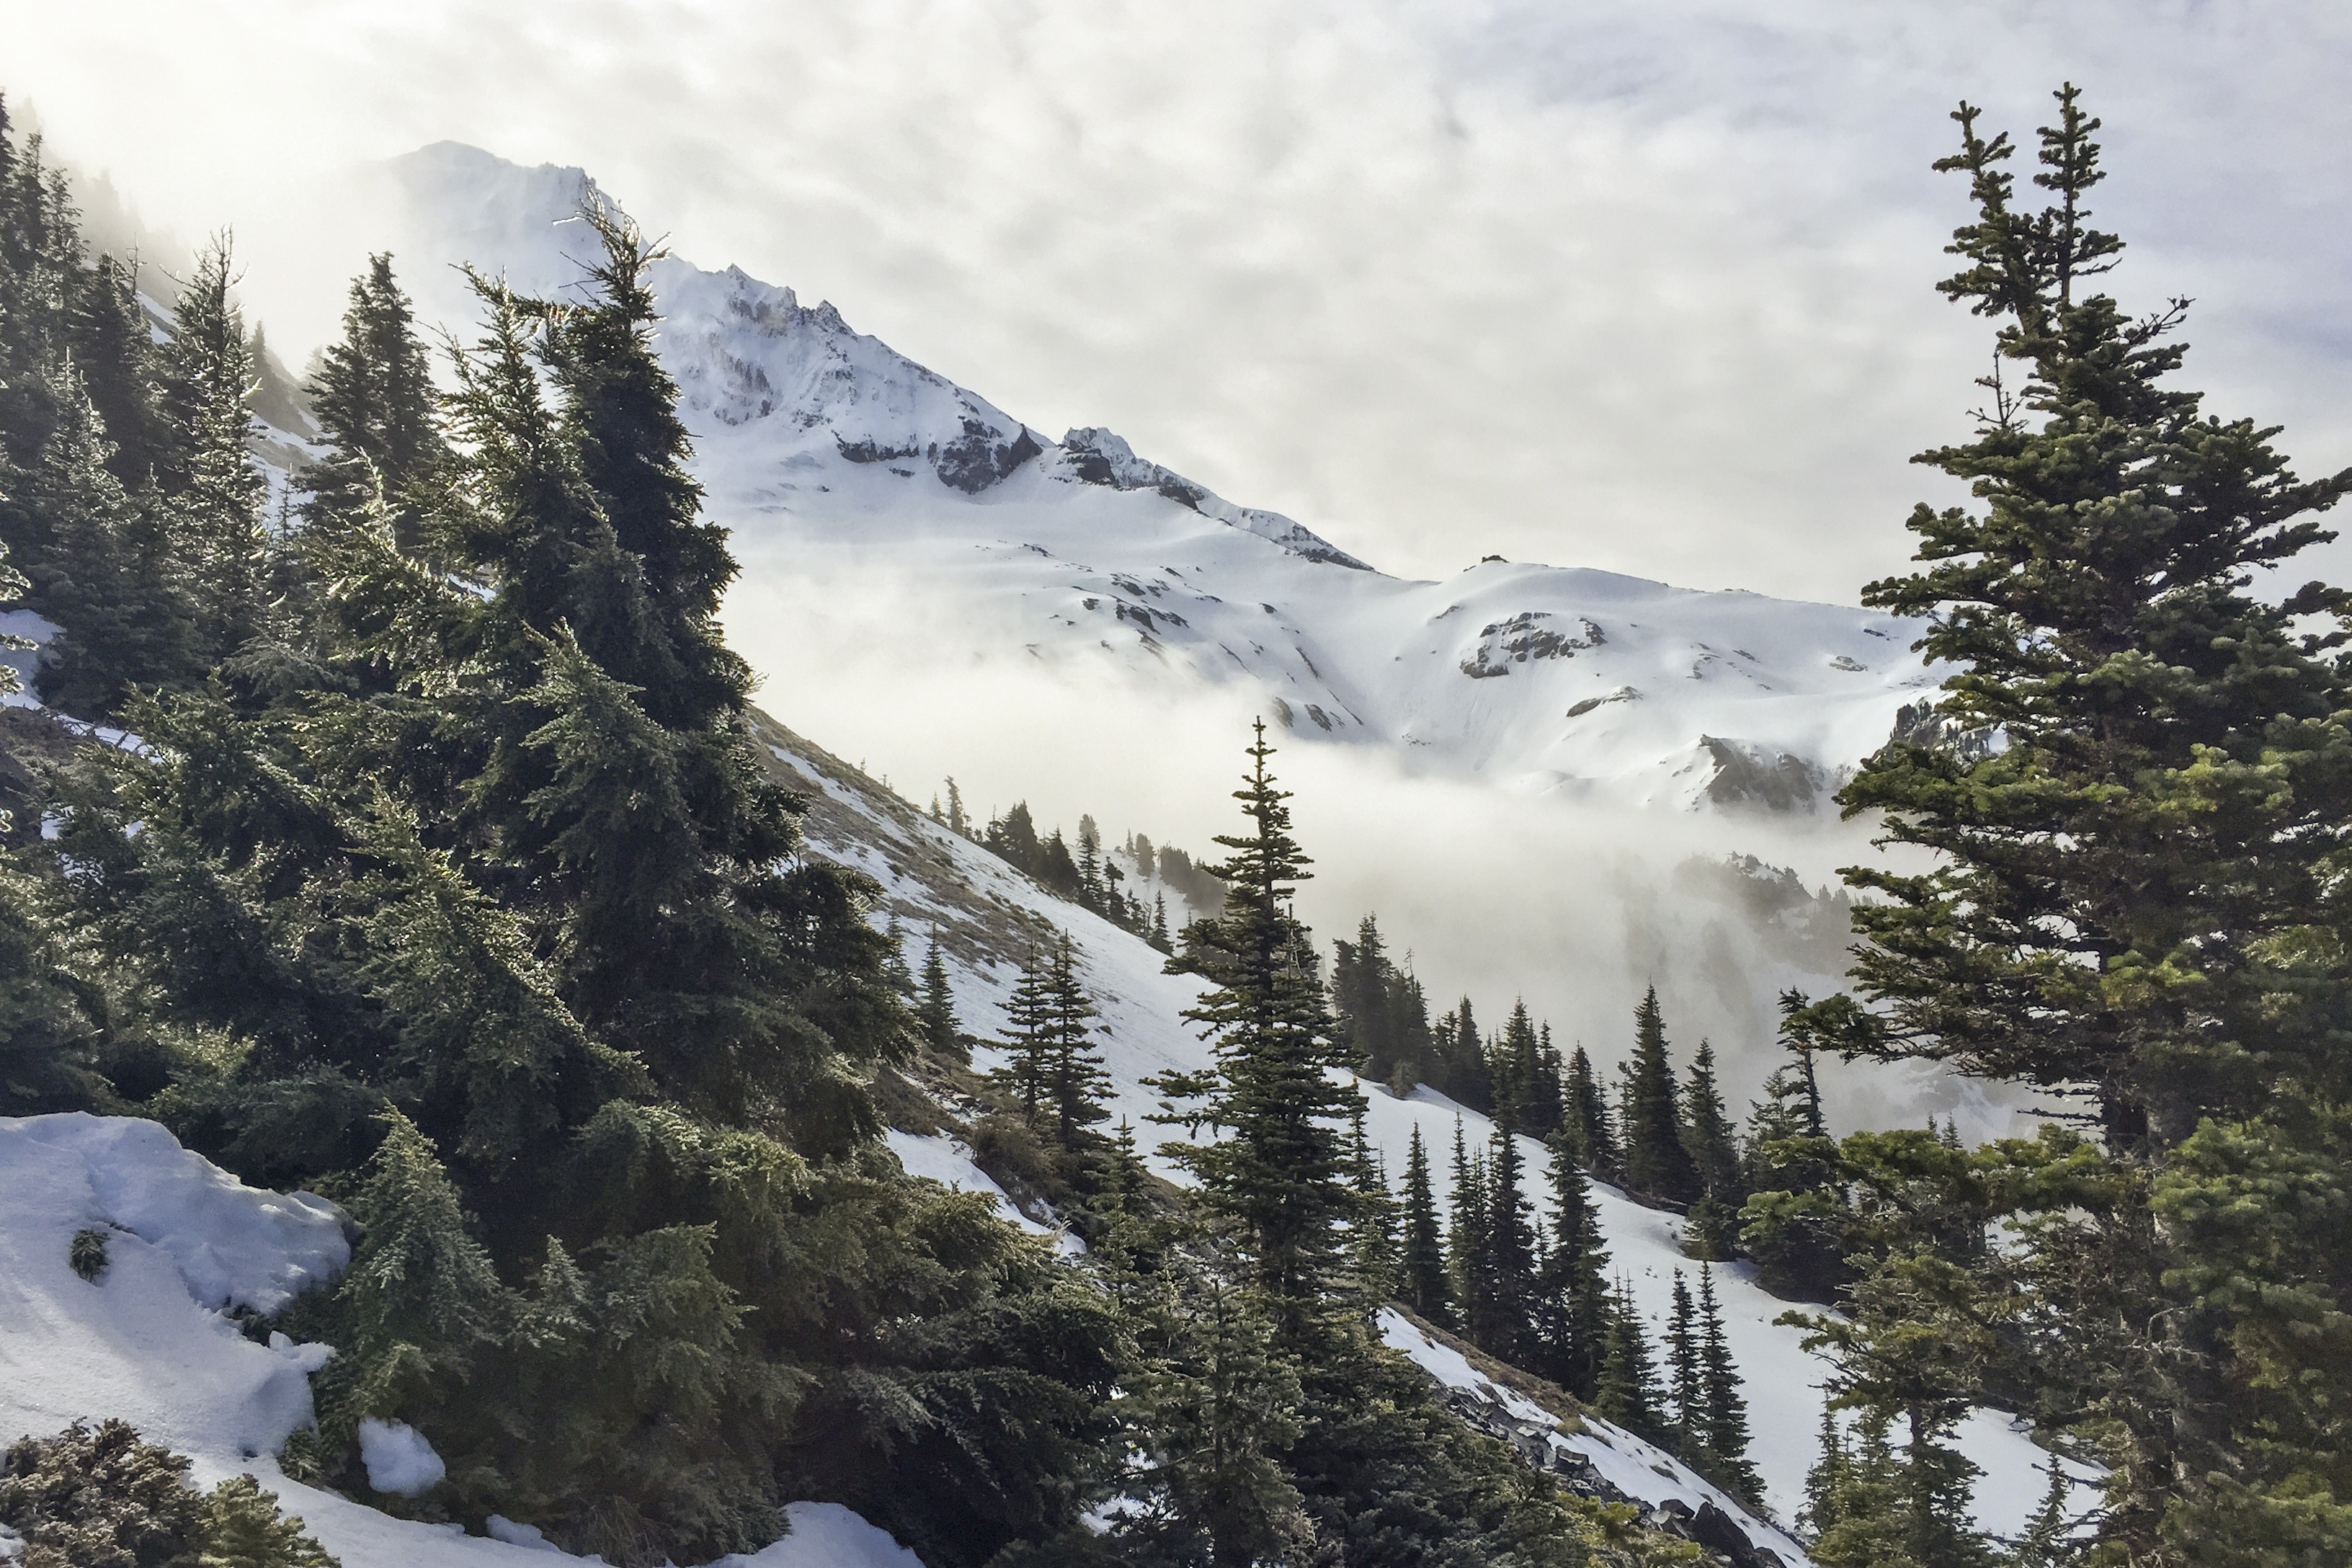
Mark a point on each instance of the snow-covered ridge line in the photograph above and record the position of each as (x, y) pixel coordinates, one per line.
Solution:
(918, 517)
(746, 353)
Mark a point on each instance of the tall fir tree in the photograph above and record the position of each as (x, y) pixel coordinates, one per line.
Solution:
(215, 494)
(1793, 1221)
(1685, 1389)
(1496, 1316)
(114, 350)
(1075, 1079)
(1723, 1435)
(1585, 1115)
(1029, 1039)
(1468, 1214)
(2132, 898)
(1376, 1241)
(1713, 1229)
(1629, 1391)
(935, 1012)
(660, 581)
(106, 578)
(1422, 1266)
(374, 400)
(1657, 1165)
(1382, 1010)
(1571, 1317)
(1280, 1178)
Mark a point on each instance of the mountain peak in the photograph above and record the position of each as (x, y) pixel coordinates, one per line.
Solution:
(746, 353)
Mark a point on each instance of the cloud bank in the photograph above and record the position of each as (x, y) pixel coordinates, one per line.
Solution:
(1637, 286)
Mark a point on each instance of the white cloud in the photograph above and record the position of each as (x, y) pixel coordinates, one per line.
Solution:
(1641, 287)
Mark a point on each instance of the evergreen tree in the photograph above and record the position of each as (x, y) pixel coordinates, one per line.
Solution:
(1712, 1231)
(1376, 1240)
(50, 1021)
(215, 494)
(1468, 1214)
(935, 1014)
(1585, 1113)
(655, 627)
(1572, 1311)
(1159, 939)
(1218, 1404)
(1825, 1481)
(1793, 1222)
(1685, 1385)
(1093, 888)
(1657, 1165)
(1525, 1075)
(2130, 898)
(895, 966)
(1898, 1357)
(373, 398)
(1280, 1178)
(1629, 1392)
(1460, 1059)
(1075, 1079)
(1013, 838)
(1496, 1318)
(1030, 1039)
(2048, 1542)
(1546, 1108)
(1706, 1131)
(243, 1528)
(114, 351)
(958, 823)
(106, 578)
(1057, 870)
(1724, 1431)
(1423, 1267)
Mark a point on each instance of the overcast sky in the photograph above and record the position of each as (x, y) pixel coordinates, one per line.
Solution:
(1644, 286)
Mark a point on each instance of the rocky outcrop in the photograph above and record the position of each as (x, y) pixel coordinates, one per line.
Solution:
(1761, 778)
(1531, 634)
(1096, 457)
(1708, 1525)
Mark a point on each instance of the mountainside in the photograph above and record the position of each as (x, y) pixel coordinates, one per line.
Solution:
(925, 516)
(930, 582)
(989, 919)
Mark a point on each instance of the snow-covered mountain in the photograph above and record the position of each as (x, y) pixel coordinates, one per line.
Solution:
(838, 461)
(1535, 775)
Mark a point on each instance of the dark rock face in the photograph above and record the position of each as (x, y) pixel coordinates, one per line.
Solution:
(868, 451)
(983, 456)
(1529, 635)
(1748, 774)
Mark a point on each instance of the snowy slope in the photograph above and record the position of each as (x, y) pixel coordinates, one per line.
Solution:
(925, 519)
(988, 917)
